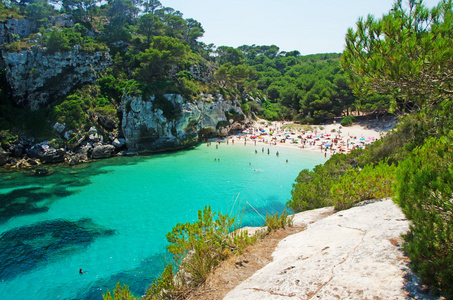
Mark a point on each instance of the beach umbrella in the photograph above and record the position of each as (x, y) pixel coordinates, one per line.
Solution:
(296, 140)
(263, 130)
(362, 139)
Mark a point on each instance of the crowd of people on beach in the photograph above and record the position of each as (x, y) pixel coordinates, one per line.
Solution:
(329, 139)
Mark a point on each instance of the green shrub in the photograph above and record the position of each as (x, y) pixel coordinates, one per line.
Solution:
(425, 191)
(72, 111)
(6, 138)
(201, 245)
(372, 182)
(246, 108)
(119, 293)
(397, 144)
(197, 247)
(16, 46)
(312, 188)
(57, 41)
(165, 287)
(276, 221)
(222, 124)
(348, 121)
(189, 87)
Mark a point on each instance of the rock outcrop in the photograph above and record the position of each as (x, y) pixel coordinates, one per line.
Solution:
(25, 27)
(352, 254)
(146, 127)
(37, 77)
(11, 27)
(3, 157)
(47, 154)
(103, 151)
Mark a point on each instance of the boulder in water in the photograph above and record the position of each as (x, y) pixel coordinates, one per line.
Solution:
(103, 151)
(4, 156)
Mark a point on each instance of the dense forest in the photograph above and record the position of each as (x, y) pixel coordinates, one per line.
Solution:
(153, 47)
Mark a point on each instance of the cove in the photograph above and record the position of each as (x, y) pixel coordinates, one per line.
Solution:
(110, 217)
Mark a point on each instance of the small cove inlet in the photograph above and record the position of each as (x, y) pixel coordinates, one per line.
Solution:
(110, 217)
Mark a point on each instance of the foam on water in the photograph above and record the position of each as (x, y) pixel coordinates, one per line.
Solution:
(110, 217)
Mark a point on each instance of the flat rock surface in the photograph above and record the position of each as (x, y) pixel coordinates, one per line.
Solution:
(352, 254)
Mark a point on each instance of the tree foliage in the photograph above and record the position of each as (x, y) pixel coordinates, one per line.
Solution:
(371, 182)
(312, 189)
(406, 54)
(425, 192)
(163, 54)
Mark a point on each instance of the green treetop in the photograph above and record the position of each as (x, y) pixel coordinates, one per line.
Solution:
(407, 53)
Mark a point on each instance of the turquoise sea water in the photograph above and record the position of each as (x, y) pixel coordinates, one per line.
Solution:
(110, 217)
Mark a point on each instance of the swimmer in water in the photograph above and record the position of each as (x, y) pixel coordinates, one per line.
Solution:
(81, 272)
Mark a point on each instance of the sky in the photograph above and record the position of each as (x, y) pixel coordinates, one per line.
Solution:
(309, 26)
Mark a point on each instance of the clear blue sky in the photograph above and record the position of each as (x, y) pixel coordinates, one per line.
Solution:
(310, 26)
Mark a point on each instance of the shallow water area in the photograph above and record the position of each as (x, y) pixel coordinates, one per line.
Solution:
(110, 217)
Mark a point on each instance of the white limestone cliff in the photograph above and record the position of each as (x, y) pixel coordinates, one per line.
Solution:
(148, 128)
(37, 77)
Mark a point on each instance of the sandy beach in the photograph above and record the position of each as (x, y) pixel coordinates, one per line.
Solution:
(328, 139)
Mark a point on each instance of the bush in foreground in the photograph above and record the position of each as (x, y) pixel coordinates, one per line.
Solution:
(312, 188)
(371, 182)
(197, 248)
(425, 192)
(277, 221)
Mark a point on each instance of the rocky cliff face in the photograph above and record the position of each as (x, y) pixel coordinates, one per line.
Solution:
(24, 27)
(148, 128)
(10, 27)
(37, 77)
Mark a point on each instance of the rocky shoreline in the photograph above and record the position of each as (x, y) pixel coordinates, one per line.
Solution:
(27, 155)
(144, 128)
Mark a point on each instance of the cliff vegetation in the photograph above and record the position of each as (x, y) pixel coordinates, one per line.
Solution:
(69, 63)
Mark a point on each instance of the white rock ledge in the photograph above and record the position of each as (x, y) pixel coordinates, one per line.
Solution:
(352, 254)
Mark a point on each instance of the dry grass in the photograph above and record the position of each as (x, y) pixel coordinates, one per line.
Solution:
(231, 272)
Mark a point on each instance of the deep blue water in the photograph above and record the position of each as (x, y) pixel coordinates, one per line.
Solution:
(110, 217)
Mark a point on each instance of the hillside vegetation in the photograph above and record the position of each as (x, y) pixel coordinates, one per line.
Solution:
(155, 50)
(407, 54)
